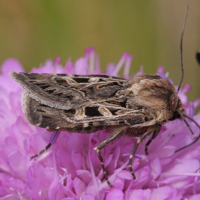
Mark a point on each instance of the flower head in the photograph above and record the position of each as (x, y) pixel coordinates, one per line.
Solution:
(71, 170)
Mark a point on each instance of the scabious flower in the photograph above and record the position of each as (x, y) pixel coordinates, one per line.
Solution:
(71, 170)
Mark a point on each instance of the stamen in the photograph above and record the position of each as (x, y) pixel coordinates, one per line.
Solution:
(186, 88)
(127, 65)
(69, 66)
(90, 55)
(97, 69)
(196, 103)
(110, 69)
(141, 72)
(191, 109)
(161, 69)
(120, 64)
(57, 60)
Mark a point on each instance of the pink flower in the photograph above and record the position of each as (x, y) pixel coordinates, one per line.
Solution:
(71, 170)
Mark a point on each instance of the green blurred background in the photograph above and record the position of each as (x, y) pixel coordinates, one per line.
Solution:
(33, 31)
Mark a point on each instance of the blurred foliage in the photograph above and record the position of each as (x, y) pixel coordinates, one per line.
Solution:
(33, 31)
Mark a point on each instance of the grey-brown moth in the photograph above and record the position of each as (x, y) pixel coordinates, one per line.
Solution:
(88, 103)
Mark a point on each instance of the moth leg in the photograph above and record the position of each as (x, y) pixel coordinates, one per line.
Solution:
(140, 139)
(42, 151)
(155, 133)
(103, 144)
(52, 140)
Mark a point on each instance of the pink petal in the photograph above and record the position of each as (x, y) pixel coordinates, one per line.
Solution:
(81, 66)
(110, 68)
(163, 193)
(142, 176)
(57, 60)
(194, 197)
(10, 65)
(87, 196)
(115, 194)
(17, 163)
(155, 168)
(77, 159)
(139, 194)
(55, 190)
(179, 167)
(79, 186)
(69, 68)
(125, 175)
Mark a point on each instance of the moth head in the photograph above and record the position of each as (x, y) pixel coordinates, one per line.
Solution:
(179, 110)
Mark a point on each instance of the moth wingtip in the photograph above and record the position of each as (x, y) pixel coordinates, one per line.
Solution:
(13, 74)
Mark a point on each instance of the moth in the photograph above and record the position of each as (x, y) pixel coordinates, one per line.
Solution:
(88, 103)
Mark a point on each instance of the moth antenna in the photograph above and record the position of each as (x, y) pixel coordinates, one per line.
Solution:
(182, 116)
(181, 48)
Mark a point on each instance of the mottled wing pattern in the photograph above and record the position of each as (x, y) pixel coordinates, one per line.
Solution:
(76, 103)
(79, 103)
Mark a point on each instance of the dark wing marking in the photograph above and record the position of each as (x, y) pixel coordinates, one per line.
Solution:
(69, 91)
